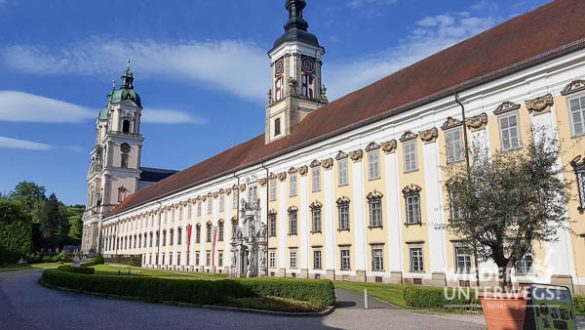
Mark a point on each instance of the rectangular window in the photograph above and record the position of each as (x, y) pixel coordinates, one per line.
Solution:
(208, 232)
(221, 203)
(463, 260)
(377, 258)
(178, 258)
(373, 164)
(209, 205)
(272, 259)
(235, 198)
(317, 259)
(198, 209)
(316, 215)
(455, 211)
(293, 259)
(293, 185)
(272, 190)
(413, 209)
(345, 259)
(410, 162)
(220, 258)
(454, 144)
(316, 175)
(292, 223)
(196, 258)
(343, 210)
(509, 134)
(272, 225)
(198, 234)
(577, 108)
(524, 265)
(416, 260)
(375, 212)
(342, 179)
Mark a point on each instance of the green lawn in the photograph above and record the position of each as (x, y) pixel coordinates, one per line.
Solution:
(110, 269)
(16, 268)
(390, 293)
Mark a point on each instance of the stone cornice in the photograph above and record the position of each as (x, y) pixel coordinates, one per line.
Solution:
(411, 189)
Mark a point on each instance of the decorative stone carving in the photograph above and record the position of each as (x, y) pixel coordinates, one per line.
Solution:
(243, 187)
(372, 146)
(343, 200)
(375, 195)
(272, 176)
(327, 163)
(303, 170)
(262, 182)
(315, 163)
(203, 198)
(540, 104)
(451, 123)
(477, 122)
(316, 204)
(578, 162)
(272, 212)
(430, 135)
(292, 209)
(221, 191)
(341, 155)
(408, 136)
(506, 106)
(198, 198)
(356, 155)
(573, 87)
(228, 191)
(210, 194)
(390, 146)
(411, 189)
(215, 194)
(235, 187)
(292, 170)
(282, 176)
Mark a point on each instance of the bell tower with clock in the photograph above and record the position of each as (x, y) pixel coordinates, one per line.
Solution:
(297, 87)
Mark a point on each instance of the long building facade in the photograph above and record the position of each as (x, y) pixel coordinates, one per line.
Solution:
(356, 189)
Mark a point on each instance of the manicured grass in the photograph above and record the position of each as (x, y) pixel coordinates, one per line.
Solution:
(390, 293)
(110, 269)
(16, 268)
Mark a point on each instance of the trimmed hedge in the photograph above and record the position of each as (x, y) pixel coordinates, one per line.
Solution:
(197, 292)
(435, 298)
(80, 270)
(579, 303)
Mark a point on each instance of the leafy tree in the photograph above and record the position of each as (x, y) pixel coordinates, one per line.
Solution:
(15, 232)
(509, 202)
(32, 197)
(74, 215)
(51, 229)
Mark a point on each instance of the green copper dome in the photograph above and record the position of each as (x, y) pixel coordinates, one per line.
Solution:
(104, 114)
(126, 94)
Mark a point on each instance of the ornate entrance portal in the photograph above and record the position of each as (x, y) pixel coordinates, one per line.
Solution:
(249, 244)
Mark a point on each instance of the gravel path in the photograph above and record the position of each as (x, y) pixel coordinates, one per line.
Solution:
(26, 305)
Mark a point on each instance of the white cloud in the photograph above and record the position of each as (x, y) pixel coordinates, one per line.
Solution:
(25, 107)
(6, 142)
(430, 35)
(359, 3)
(229, 65)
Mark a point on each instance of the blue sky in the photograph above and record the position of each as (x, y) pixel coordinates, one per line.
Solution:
(200, 66)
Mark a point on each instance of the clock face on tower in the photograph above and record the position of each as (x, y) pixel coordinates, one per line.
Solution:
(279, 67)
(308, 64)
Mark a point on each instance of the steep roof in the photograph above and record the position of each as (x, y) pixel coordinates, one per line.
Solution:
(150, 174)
(550, 31)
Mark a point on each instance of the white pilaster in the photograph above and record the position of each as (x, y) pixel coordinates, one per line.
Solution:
(304, 224)
(282, 226)
(359, 217)
(393, 210)
(329, 221)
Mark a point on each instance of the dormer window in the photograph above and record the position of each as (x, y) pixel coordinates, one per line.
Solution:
(277, 130)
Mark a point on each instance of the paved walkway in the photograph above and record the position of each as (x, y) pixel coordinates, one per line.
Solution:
(26, 305)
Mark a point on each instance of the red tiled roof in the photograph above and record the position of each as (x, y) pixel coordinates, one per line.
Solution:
(547, 32)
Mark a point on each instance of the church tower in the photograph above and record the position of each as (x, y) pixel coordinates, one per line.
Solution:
(297, 86)
(114, 172)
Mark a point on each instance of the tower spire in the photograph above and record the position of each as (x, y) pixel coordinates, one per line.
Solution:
(127, 77)
(295, 12)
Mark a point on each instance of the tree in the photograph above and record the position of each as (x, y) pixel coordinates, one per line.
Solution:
(15, 232)
(51, 229)
(74, 215)
(33, 199)
(509, 202)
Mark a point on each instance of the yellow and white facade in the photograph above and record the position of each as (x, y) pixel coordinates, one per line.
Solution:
(371, 204)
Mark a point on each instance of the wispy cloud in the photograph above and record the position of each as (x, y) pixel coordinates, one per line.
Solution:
(228, 65)
(429, 35)
(359, 3)
(25, 107)
(10, 143)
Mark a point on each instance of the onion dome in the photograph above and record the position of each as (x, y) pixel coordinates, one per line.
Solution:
(295, 29)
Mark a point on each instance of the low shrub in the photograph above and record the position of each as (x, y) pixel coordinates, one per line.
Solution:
(98, 260)
(80, 270)
(579, 303)
(440, 298)
(198, 292)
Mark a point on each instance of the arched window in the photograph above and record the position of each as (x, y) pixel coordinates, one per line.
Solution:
(179, 236)
(125, 126)
(209, 228)
(198, 233)
(220, 230)
(124, 156)
(164, 238)
(277, 127)
(172, 238)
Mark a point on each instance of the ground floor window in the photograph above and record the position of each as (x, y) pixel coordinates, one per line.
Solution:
(317, 259)
(293, 259)
(524, 265)
(178, 259)
(463, 259)
(171, 259)
(272, 259)
(196, 258)
(377, 258)
(220, 258)
(208, 259)
(416, 260)
(345, 259)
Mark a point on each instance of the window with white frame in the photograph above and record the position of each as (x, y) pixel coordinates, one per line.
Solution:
(509, 131)
(524, 265)
(316, 178)
(342, 174)
(208, 232)
(463, 260)
(209, 205)
(410, 157)
(199, 209)
(198, 233)
(377, 258)
(272, 225)
(373, 164)
(221, 202)
(316, 218)
(208, 258)
(293, 259)
(412, 201)
(375, 204)
(272, 259)
(235, 198)
(416, 260)
(179, 236)
(292, 185)
(577, 108)
(343, 214)
(345, 258)
(171, 237)
(579, 168)
(220, 258)
(272, 190)
(197, 259)
(317, 259)
(455, 211)
(454, 144)
(220, 230)
(292, 222)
